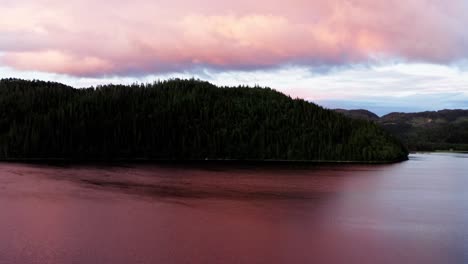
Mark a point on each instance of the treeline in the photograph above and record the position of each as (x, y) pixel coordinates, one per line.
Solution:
(179, 120)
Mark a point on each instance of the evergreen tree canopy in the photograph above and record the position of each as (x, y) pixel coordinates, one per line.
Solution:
(179, 120)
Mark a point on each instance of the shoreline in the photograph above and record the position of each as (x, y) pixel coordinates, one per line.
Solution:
(200, 162)
(440, 151)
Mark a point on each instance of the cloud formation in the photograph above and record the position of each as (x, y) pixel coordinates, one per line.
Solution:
(139, 37)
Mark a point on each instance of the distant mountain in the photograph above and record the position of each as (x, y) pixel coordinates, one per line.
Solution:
(436, 130)
(359, 114)
(180, 120)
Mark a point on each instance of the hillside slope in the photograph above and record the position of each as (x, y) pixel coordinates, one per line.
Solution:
(179, 120)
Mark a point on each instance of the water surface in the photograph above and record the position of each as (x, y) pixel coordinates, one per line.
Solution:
(411, 212)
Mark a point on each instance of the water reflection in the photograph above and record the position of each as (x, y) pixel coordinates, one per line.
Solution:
(412, 212)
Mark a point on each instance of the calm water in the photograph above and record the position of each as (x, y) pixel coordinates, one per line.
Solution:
(412, 212)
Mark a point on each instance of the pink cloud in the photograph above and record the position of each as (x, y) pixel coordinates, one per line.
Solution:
(118, 37)
(57, 62)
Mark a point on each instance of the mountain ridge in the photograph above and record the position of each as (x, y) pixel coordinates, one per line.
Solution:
(445, 129)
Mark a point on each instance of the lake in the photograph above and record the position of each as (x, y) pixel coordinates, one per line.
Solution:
(410, 212)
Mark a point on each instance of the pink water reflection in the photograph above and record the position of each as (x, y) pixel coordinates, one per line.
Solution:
(413, 212)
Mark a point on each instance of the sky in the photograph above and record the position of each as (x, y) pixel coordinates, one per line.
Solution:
(381, 55)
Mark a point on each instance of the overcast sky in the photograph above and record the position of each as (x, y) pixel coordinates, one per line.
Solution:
(385, 56)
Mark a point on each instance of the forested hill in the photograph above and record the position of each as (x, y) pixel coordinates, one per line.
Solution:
(179, 120)
(425, 131)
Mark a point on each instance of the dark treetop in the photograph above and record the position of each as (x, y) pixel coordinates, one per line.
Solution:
(179, 120)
